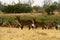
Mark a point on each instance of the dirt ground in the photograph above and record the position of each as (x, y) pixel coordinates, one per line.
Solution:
(25, 34)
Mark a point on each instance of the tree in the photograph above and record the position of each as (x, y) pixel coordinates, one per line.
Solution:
(8, 9)
(50, 9)
(17, 8)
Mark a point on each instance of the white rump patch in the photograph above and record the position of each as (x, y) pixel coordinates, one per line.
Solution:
(33, 25)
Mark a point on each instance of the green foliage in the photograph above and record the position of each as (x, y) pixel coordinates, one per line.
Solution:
(38, 19)
(47, 19)
(25, 18)
(17, 8)
(50, 9)
(47, 9)
(50, 19)
(41, 18)
(8, 9)
(8, 18)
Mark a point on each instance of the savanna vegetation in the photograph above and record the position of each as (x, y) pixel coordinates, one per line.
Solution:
(48, 7)
(22, 15)
(46, 19)
(25, 34)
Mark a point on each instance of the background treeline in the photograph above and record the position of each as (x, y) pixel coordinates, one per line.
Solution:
(27, 8)
(17, 8)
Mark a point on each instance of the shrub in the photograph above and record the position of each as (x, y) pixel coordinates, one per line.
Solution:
(8, 9)
(17, 8)
(50, 9)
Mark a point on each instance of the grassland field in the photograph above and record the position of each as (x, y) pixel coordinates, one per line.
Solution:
(7, 33)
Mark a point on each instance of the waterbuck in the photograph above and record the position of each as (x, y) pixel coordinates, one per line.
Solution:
(24, 22)
(39, 24)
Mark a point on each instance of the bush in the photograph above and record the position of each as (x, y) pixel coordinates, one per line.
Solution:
(50, 9)
(17, 8)
(8, 9)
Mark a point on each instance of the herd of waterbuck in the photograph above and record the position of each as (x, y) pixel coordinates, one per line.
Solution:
(30, 23)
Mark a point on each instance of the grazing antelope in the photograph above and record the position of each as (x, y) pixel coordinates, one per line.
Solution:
(24, 22)
(55, 24)
(37, 24)
(50, 25)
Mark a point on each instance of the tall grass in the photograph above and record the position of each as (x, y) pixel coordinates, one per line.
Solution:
(38, 19)
(8, 18)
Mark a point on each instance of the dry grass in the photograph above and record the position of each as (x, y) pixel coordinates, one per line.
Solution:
(28, 14)
(21, 14)
(25, 34)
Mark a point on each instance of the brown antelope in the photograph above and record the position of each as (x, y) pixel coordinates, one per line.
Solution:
(37, 24)
(24, 22)
(50, 25)
(55, 24)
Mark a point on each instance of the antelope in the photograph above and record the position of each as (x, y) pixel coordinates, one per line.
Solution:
(50, 25)
(24, 22)
(37, 24)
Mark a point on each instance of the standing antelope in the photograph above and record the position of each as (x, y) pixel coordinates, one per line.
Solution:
(24, 22)
(38, 24)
